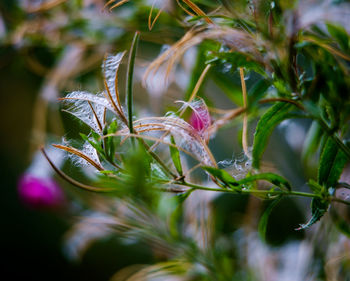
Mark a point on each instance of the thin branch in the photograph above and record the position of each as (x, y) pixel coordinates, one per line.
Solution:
(96, 117)
(150, 22)
(328, 48)
(109, 97)
(300, 106)
(73, 181)
(223, 121)
(198, 11)
(116, 5)
(79, 154)
(262, 192)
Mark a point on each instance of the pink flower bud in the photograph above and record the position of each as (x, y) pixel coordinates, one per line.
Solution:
(39, 192)
(196, 122)
(200, 118)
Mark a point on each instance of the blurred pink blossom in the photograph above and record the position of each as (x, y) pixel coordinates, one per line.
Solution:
(39, 192)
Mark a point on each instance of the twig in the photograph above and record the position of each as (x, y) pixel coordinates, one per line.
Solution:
(73, 181)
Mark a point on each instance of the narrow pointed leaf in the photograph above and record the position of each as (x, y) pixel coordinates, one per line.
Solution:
(270, 177)
(340, 35)
(223, 176)
(265, 218)
(332, 163)
(129, 84)
(111, 142)
(267, 123)
(312, 140)
(175, 156)
(95, 145)
(318, 208)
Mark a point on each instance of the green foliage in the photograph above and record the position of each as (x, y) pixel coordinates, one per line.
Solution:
(275, 179)
(332, 162)
(224, 177)
(265, 217)
(318, 208)
(274, 116)
(129, 79)
(175, 156)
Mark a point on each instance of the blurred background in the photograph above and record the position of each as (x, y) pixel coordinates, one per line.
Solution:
(49, 48)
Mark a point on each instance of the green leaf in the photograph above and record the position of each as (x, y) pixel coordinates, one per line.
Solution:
(275, 115)
(111, 142)
(237, 59)
(95, 136)
(340, 35)
(106, 172)
(129, 80)
(312, 140)
(95, 144)
(318, 208)
(258, 90)
(332, 163)
(175, 156)
(265, 218)
(223, 176)
(84, 137)
(315, 187)
(270, 177)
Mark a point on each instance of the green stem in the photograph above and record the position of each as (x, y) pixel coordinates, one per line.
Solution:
(262, 192)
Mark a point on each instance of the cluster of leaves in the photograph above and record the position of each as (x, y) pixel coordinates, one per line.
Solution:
(299, 64)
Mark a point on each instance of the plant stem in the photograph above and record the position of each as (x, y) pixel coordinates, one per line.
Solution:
(262, 192)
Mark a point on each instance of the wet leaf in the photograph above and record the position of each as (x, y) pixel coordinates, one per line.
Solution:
(267, 123)
(318, 208)
(223, 176)
(339, 34)
(331, 165)
(270, 177)
(265, 218)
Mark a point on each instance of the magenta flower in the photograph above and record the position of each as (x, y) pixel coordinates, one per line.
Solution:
(196, 122)
(39, 192)
(200, 118)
